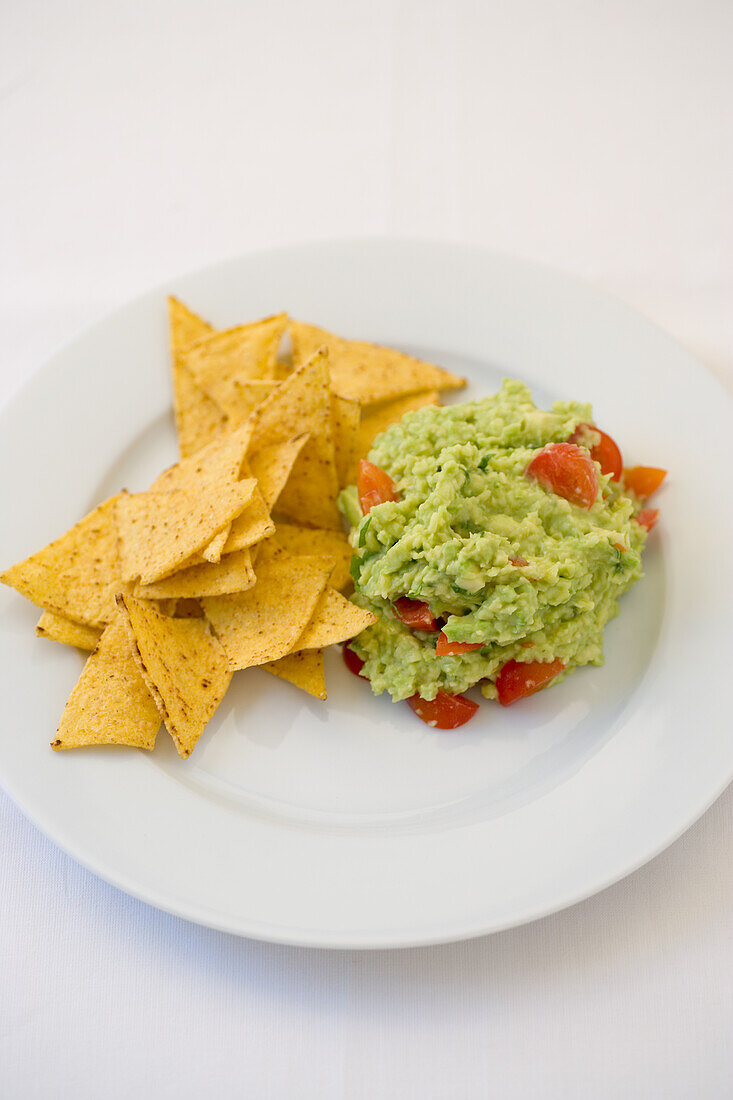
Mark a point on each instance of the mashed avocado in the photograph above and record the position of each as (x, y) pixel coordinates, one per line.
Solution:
(466, 509)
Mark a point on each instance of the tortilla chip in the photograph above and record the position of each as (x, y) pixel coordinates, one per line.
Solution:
(304, 669)
(367, 372)
(76, 575)
(110, 704)
(233, 574)
(311, 540)
(246, 396)
(198, 418)
(303, 403)
(188, 609)
(282, 370)
(345, 417)
(377, 419)
(273, 465)
(183, 665)
(245, 353)
(60, 629)
(334, 620)
(221, 460)
(264, 623)
(158, 532)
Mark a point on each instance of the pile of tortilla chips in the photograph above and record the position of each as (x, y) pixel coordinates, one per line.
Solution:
(235, 556)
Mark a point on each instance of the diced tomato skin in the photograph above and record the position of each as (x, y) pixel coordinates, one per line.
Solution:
(374, 486)
(647, 517)
(415, 614)
(519, 561)
(606, 453)
(444, 712)
(444, 648)
(643, 480)
(520, 679)
(566, 469)
(352, 662)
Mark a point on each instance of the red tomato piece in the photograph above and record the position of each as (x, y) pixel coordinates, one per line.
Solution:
(644, 480)
(566, 470)
(444, 712)
(444, 648)
(414, 613)
(373, 486)
(605, 453)
(519, 561)
(647, 517)
(352, 662)
(518, 679)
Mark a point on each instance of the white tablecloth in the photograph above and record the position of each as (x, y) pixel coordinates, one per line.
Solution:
(142, 138)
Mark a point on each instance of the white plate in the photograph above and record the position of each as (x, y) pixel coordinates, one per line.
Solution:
(350, 823)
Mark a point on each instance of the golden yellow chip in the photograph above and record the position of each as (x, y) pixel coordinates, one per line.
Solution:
(367, 372)
(188, 609)
(378, 418)
(345, 418)
(245, 353)
(303, 403)
(245, 397)
(304, 670)
(158, 532)
(273, 465)
(283, 369)
(264, 623)
(234, 573)
(60, 629)
(76, 575)
(110, 704)
(183, 665)
(198, 418)
(334, 620)
(221, 460)
(311, 540)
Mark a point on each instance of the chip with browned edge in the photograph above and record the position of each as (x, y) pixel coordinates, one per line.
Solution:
(60, 629)
(264, 623)
(110, 704)
(183, 665)
(76, 575)
(368, 372)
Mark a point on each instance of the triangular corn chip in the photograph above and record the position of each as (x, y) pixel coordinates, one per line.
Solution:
(60, 629)
(303, 403)
(367, 372)
(244, 353)
(76, 575)
(246, 396)
(377, 419)
(158, 532)
(198, 418)
(188, 609)
(312, 540)
(345, 417)
(221, 460)
(334, 620)
(183, 665)
(264, 623)
(304, 670)
(110, 704)
(234, 573)
(273, 465)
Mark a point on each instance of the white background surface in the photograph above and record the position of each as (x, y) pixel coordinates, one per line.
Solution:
(142, 139)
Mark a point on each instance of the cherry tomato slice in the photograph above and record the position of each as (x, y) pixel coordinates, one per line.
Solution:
(566, 470)
(373, 486)
(643, 480)
(414, 613)
(352, 662)
(444, 712)
(520, 561)
(518, 679)
(647, 517)
(605, 453)
(444, 648)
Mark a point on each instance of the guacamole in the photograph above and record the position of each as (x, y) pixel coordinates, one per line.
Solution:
(501, 560)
